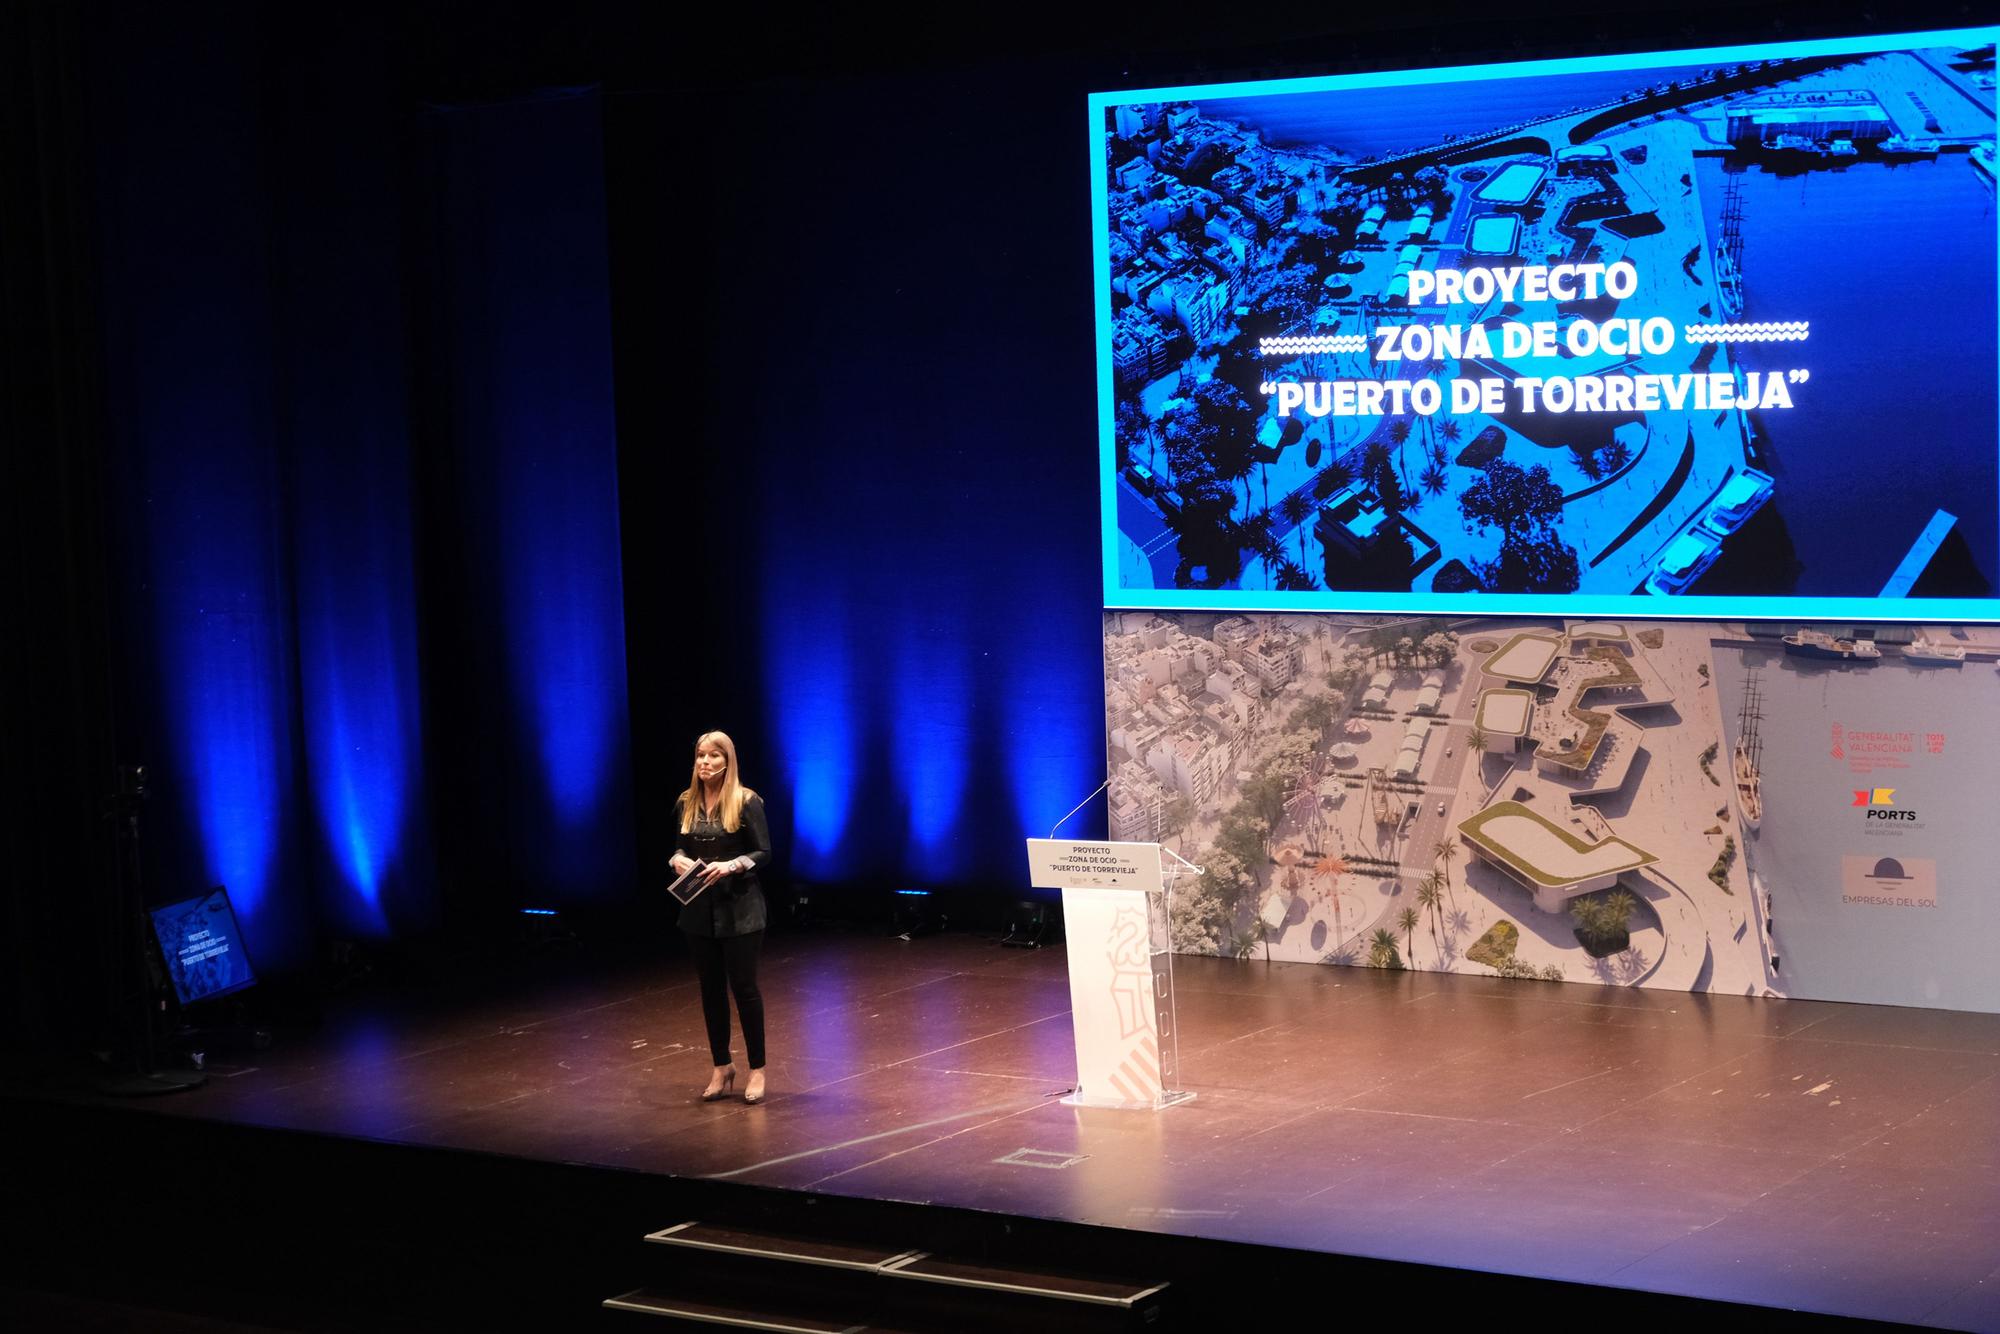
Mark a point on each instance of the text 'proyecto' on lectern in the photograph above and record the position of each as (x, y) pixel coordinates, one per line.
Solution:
(1116, 907)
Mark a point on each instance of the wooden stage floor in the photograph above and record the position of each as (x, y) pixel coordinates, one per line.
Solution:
(1821, 1157)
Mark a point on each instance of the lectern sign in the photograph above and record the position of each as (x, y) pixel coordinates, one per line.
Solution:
(1055, 863)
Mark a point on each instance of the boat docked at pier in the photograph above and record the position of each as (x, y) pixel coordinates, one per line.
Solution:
(1804, 149)
(1810, 643)
(1932, 652)
(1897, 145)
(1748, 758)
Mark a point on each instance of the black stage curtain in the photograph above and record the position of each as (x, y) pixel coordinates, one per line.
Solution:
(57, 747)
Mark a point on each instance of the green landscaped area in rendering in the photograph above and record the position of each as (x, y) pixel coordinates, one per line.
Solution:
(1719, 872)
(1622, 673)
(1545, 852)
(1497, 945)
(1579, 756)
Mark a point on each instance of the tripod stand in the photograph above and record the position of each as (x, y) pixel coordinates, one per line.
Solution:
(137, 983)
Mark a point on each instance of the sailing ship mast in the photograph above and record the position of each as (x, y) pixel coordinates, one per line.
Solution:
(1748, 764)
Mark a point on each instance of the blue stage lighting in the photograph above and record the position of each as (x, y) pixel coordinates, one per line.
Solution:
(932, 694)
(813, 702)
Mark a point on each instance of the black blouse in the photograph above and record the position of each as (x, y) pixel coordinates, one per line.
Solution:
(733, 905)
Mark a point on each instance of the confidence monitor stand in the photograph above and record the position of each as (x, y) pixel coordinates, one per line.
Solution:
(1117, 903)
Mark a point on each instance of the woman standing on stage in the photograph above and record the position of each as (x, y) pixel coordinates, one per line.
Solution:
(721, 823)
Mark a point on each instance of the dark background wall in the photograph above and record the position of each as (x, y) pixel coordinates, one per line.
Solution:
(423, 421)
(365, 573)
(855, 378)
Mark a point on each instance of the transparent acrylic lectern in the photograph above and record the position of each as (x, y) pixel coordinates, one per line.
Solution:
(1117, 904)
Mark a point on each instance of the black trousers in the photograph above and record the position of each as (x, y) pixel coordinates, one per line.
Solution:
(725, 965)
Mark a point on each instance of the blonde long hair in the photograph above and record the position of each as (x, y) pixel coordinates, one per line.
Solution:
(729, 804)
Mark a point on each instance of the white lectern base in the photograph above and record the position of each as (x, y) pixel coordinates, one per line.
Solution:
(1121, 971)
(1166, 1100)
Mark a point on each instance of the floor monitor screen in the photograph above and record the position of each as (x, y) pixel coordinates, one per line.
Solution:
(202, 948)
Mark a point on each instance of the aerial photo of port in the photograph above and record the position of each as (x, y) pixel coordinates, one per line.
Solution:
(1808, 219)
(1667, 804)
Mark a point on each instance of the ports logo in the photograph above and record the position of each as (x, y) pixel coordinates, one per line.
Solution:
(1881, 804)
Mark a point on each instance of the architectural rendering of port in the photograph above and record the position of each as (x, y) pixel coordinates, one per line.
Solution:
(1595, 740)
(1452, 787)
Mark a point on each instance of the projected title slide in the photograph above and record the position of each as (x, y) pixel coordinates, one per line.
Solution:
(200, 947)
(1701, 333)
(1419, 344)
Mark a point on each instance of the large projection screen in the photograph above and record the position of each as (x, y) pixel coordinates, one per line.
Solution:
(1695, 333)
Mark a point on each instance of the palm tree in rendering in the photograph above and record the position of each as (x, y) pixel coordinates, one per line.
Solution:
(1244, 943)
(1332, 867)
(1260, 534)
(1587, 911)
(1382, 950)
(1619, 905)
(1407, 921)
(1399, 435)
(1429, 898)
(1332, 478)
(1295, 507)
(1444, 850)
(1451, 431)
(1293, 577)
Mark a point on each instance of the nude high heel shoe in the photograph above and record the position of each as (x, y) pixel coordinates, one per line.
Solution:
(719, 1088)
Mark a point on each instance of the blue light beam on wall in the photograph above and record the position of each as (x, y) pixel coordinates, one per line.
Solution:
(209, 668)
(224, 662)
(553, 446)
(346, 375)
(812, 698)
(565, 629)
(358, 682)
(931, 704)
(529, 363)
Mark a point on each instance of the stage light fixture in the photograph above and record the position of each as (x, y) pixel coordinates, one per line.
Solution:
(134, 1066)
